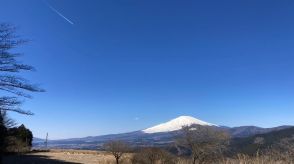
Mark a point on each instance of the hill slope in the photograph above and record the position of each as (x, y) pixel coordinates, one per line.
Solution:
(249, 145)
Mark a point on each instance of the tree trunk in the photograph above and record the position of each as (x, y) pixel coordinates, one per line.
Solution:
(194, 160)
(2, 136)
(117, 160)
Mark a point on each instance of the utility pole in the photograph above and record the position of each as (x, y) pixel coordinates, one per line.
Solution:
(46, 141)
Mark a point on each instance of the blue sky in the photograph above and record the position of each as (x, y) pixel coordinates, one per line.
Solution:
(122, 65)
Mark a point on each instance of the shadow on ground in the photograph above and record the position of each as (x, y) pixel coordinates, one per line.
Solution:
(32, 159)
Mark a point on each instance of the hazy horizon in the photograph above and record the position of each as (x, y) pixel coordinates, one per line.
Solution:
(119, 66)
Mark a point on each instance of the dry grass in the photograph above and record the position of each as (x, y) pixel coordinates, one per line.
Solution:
(244, 159)
(82, 156)
(94, 157)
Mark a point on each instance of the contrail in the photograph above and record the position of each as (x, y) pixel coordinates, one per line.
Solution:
(57, 12)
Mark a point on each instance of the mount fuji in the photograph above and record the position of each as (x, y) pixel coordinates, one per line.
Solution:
(159, 135)
(176, 124)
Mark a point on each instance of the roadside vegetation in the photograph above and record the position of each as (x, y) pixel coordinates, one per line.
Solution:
(14, 89)
(206, 145)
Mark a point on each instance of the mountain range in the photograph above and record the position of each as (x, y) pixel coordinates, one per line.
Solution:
(158, 135)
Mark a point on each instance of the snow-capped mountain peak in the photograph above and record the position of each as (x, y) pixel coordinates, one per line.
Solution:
(176, 124)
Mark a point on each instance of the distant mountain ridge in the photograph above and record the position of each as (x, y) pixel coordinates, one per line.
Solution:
(159, 135)
(246, 131)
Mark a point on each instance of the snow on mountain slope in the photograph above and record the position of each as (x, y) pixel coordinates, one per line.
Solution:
(176, 124)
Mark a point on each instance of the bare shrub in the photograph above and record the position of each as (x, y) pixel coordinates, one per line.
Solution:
(153, 156)
(205, 143)
(274, 158)
(117, 149)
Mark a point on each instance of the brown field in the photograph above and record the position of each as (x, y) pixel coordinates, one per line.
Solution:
(58, 156)
(64, 156)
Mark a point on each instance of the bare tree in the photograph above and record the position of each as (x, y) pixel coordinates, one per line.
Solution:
(203, 142)
(117, 149)
(15, 86)
(6, 121)
(286, 148)
(259, 142)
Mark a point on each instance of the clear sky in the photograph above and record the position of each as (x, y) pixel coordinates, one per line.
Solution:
(113, 66)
